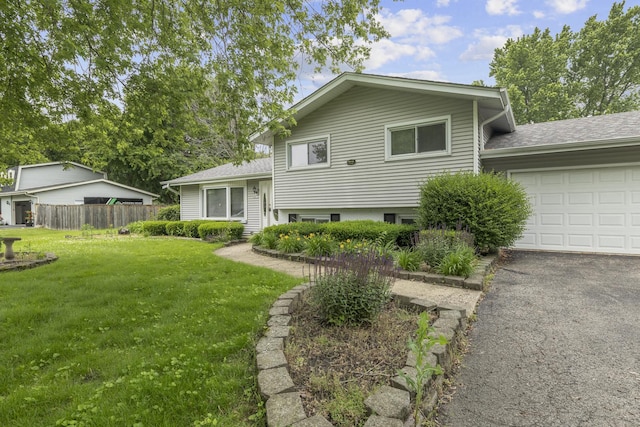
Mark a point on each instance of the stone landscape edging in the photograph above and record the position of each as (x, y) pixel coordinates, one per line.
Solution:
(473, 282)
(17, 264)
(389, 406)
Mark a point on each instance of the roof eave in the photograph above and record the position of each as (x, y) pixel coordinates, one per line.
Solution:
(496, 153)
(218, 179)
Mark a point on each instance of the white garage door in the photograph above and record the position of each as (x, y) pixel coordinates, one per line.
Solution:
(584, 210)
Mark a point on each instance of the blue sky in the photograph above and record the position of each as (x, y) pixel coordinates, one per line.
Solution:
(454, 40)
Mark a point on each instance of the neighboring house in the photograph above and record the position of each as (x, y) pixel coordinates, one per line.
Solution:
(363, 144)
(62, 183)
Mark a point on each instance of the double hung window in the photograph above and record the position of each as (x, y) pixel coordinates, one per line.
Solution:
(424, 138)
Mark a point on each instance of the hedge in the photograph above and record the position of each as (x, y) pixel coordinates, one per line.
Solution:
(175, 228)
(355, 230)
(212, 230)
(155, 228)
(301, 228)
(400, 234)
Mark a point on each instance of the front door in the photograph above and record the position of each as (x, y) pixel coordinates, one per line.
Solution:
(266, 203)
(21, 209)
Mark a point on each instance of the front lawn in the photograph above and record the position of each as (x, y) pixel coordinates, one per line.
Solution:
(130, 331)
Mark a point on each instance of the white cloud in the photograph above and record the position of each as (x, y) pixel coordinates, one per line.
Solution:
(567, 6)
(387, 51)
(413, 33)
(502, 7)
(538, 14)
(486, 44)
(414, 25)
(442, 3)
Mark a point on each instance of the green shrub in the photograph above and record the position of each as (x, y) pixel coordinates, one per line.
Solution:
(494, 208)
(220, 231)
(353, 288)
(155, 228)
(302, 228)
(169, 213)
(175, 228)
(191, 227)
(399, 234)
(460, 262)
(269, 239)
(408, 259)
(136, 227)
(319, 245)
(290, 243)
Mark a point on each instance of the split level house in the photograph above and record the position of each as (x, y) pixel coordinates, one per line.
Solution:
(363, 145)
(61, 183)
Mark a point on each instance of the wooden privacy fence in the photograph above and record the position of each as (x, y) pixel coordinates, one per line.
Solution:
(73, 217)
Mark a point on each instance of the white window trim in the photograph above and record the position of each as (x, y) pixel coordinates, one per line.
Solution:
(415, 123)
(228, 188)
(306, 141)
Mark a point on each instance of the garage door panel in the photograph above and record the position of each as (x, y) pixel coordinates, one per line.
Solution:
(578, 220)
(611, 242)
(580, 199)
(611, 220)
(587, 210)
(552, 240)
(613, 176)
(552, 179)
(551, 199)
(580, 241)
(611, 197)
(551, 219)
(582, 177)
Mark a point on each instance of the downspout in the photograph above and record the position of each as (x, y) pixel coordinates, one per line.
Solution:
(168, 187)
(491, 119)
(476, 139)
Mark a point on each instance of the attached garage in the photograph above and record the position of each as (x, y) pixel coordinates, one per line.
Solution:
(583, 180)
(583, 209)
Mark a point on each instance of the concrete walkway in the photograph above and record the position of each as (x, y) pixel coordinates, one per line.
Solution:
(441, 295)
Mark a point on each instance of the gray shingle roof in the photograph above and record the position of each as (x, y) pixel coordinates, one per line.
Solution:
(229, 170)
(596, 128)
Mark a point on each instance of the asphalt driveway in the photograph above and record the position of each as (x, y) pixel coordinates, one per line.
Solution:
(556, 343)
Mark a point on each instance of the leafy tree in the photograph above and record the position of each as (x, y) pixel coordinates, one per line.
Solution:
(533, 68)
(594, 71)
(606, 63)
(107, 81)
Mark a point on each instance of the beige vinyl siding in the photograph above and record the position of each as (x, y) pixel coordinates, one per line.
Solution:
(253, 209)
(356, 123)
(190, 202)
(51, 175)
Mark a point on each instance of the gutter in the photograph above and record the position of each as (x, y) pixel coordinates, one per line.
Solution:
(167, 186)
(563, 147)
(504, 96)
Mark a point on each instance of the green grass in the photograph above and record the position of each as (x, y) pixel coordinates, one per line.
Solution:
(131, 331)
